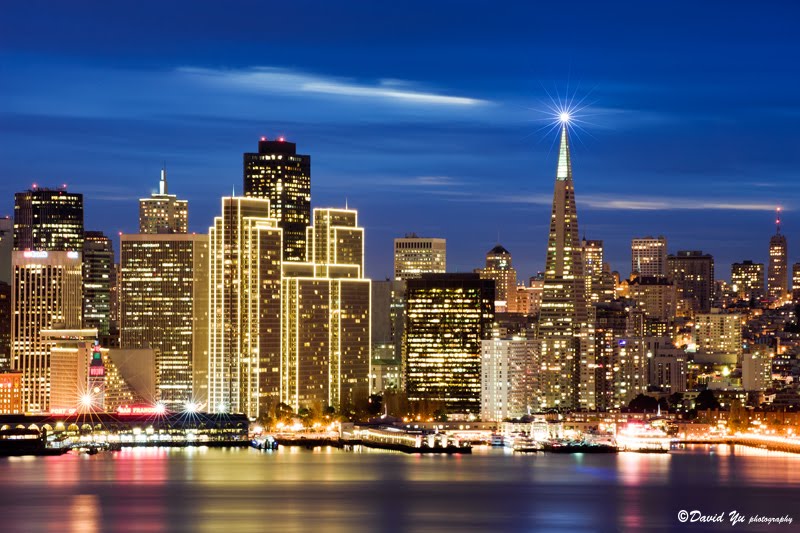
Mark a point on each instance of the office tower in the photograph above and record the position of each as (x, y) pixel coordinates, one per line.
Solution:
(98, 276)
(649, 256)
(11, 393)
(499, 268)
(163, 305)
(508, 377)
(48, 220)
(163, 212)
(529, 299)
(778, 269)
(611, 324)
(747, 279)
(447, 317)
(668, 370)
(655, 296)
(756, 370)
(796, 283)
(245, 247)
(414, 256)
(325, 325)
(718, 337)
(71, 352)
(277, 172)
(5, 326)
(692, 272)
(598, 278)
(46, 291)
(387, 319)
(6, 245)
(566, 378)
(631, 370)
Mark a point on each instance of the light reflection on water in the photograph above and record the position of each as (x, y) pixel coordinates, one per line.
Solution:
(200, 489)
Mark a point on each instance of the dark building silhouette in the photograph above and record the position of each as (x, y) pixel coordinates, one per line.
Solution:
(48, 220)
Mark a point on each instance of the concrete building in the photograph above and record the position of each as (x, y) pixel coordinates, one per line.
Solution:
(98, 277)
(48, 220)
(756, 371)
(567, 365)
(508, 377)
(47, 291)
(692, 272)
(163, 212)
(71, 352)
(747, 279)
(778, 267)
(5, 326)
(499, 268)
(387, 318)
(414, 256)
(649, 256)
(656, 296)
(281, 175)
(718, 337)
(164, 306)
(6, 246)
(447, 317)
(630, 369)
(10, 393)
(244, 307)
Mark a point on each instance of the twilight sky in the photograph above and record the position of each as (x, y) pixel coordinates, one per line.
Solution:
(426, 118)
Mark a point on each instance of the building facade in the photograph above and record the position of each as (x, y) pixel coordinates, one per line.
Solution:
(277, 172)
(649, 256)
(499, 268)
(163, 212)
(98, 278)
(414, 256)
(778, 268)
(508, 377)
(747, 279)
(48, 220)
(447, 317)
(163, 301)
(692, 272)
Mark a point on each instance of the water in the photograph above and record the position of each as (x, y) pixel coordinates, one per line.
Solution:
(240, 490)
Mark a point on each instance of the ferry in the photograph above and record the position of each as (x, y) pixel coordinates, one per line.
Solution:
(18, 441)
(520, 442)
(643, 438)
(577, 446)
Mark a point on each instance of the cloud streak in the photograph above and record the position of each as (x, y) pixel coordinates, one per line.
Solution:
(287, 81)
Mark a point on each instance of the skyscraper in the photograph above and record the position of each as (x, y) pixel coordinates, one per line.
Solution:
(98, 276)
(508, 370)
(163, 212)
(649, 256)
(499, 268)
(245, 246)
(277, 172)
(747, 279)
(325, 318)
(46, 293)
(6, 246)
(447, 317)
(778, 269)
(163, 301)
(566, 376)
(414, 256)
(693, 275)
(48, 220)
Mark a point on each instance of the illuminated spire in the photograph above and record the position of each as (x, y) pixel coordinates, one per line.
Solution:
(778, 220)
(564, 164)
(162, 185)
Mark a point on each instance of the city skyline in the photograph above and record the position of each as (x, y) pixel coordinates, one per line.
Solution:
(360, 114)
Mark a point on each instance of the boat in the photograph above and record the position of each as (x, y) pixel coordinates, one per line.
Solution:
(520, 442)
(643, 438)
(577, 446)
(19, 441)
(497, 440)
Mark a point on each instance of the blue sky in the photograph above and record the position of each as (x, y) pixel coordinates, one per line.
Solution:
(425, 116)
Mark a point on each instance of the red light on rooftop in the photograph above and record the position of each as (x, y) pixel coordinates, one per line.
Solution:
(281, 139)
(34, 185)
(263, 138)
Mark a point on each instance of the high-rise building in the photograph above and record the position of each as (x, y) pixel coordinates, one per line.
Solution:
(668, 370)
(6, 246)
(499, 268)
(98, 276)
(244, 359)
(46, 292)
(277, 172)
(631, 369)
(325, 318)
(649, 256)
(163, 300)
(692, 272)
(387, 319)
(796, 283)
(414, 256)
(10, 393)
(447, 317)
(48, 220)
(163, 212)
(71, 353)
(655, 296)
(508, 377)
(747, 279)
(611, 324)
(5, 326)
(567, 366)
(756, 370)
(718, 337)
(599, 282)
(778, 269)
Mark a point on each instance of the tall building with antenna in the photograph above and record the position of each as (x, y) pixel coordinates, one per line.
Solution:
(163, 212)
(566, 370)
(778, 268)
